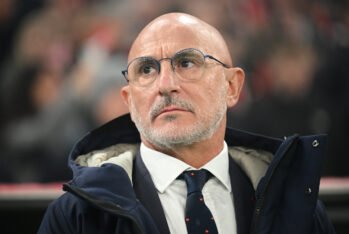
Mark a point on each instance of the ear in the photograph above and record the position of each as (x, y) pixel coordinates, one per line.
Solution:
(235, 78)
(125, 95)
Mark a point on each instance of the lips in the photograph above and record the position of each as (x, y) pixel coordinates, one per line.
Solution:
(170, 104)
(171, 109)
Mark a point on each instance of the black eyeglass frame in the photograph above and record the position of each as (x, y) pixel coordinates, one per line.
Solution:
(125, 72)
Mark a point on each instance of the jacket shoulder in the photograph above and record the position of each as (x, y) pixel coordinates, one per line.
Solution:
(322, 223)
(70, 214)
(58, 217)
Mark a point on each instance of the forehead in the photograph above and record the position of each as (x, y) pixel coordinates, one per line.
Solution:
(164, 40)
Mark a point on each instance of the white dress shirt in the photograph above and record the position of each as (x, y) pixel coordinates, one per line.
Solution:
(218, 197)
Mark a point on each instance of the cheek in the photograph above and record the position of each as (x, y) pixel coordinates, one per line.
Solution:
(216, 92)
(139, 102)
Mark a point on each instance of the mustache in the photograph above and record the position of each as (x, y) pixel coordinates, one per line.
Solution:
(168, 100)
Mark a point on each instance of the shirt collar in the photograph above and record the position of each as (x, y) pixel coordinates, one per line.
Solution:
(164, 169)
(219, 167)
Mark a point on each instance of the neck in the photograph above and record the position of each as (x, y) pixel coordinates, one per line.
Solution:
(196, 154)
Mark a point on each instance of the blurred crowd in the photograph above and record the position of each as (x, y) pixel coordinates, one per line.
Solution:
(60, 63)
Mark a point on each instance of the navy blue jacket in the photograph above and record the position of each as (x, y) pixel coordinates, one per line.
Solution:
(275, 185)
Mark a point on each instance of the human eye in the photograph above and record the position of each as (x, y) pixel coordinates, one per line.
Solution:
(188, 60)
(186, 63)
(146, 67)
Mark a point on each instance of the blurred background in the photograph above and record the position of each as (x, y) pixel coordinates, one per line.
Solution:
(61, 62)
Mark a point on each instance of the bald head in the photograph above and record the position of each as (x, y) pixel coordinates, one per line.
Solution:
(175, 31)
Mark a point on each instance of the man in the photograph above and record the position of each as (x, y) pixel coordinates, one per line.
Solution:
(135, 180)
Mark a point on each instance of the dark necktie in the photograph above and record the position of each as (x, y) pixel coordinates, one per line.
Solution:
(198, 217)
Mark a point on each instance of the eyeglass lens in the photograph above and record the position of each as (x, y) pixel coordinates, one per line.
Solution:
(187, 64)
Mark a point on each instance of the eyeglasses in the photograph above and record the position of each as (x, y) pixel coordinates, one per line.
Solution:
(188, 64)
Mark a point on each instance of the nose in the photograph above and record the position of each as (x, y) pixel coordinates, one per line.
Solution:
(167, 81)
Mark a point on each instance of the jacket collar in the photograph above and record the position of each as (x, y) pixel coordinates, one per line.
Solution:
(117, 142)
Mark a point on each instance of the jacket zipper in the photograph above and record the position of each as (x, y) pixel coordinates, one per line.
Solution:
(112, 208)
(260, 200)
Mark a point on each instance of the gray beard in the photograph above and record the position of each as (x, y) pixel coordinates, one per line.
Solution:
(200, 131)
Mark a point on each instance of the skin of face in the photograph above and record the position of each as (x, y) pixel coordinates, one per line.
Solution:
(184, 119)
